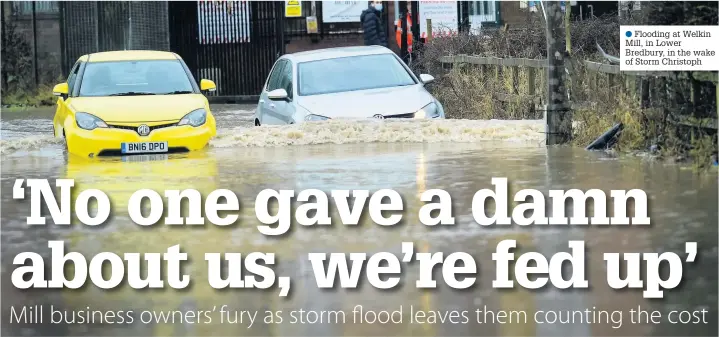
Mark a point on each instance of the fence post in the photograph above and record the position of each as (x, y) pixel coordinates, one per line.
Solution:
(644, 92)
(531, 83)
(97, 25)
(567, 26)
(557, 115)
(429, 30)
(3, 75)
(36, 79)
(402, 26)
(63, 43)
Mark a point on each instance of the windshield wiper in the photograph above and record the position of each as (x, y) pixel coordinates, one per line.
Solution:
(178, 92)
(132, 93)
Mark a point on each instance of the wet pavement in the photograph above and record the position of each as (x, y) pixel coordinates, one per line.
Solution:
(460, 157)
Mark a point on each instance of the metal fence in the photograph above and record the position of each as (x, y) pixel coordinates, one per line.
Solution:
(39, 7)
(30, 48)
(296, 27)
(94, 26)
(233, 43)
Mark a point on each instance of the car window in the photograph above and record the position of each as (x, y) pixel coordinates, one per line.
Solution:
(286, 79)
(274, 81)
(73, 76)
(351, 73)
(135, 77)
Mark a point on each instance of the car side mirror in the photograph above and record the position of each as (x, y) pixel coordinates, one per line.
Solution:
(207, 85)
(278, 95)
(426, 78)
(61, 90)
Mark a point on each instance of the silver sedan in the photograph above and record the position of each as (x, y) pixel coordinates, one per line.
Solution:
(344, 83)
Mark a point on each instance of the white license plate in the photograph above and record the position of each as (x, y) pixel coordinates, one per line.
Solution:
(144, 147)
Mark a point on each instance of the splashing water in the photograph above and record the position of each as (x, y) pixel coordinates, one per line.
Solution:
(27, 144)
(347, 132)
(513, 133)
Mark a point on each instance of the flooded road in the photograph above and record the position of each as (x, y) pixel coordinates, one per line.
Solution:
(460, 157)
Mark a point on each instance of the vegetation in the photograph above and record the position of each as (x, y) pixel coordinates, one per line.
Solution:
(669, 120)
(18, 86)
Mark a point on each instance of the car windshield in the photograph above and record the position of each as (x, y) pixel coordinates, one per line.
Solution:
(351, 73)
(151, 77)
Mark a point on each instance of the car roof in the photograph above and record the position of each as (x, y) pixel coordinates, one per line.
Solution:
(337, 52)
(129, 55)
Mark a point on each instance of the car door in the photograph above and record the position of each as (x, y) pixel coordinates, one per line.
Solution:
(286, 109)
(62, 110)
(266, 108)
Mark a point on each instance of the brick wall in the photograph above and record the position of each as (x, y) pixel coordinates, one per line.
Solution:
(306, 43)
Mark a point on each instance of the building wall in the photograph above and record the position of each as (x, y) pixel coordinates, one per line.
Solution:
(512, 13)
(517, 13)
(306, 42)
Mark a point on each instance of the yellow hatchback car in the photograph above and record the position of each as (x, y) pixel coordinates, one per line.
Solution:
(133, 102)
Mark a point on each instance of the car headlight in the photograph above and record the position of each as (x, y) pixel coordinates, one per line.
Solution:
(89, 122)
(194, 118)
(314, 118)
(430, 110)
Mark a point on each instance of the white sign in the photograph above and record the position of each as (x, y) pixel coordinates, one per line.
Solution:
(669, 48)
(223, 21)
(342, 11)
(443, 15)
(144, 147)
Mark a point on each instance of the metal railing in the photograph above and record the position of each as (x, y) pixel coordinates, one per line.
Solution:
(40, 7)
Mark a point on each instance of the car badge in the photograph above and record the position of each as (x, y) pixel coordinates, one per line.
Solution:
(143, 130)
(378, 116)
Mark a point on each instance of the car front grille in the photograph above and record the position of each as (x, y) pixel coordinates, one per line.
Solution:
(134, 128)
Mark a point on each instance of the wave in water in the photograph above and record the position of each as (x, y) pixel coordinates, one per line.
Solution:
(521, 132)
(347, 132)
(28, 143)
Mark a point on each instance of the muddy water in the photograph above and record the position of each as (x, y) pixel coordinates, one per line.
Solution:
(458, 156)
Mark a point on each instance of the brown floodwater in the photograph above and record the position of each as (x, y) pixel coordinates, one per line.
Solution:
(458, 156)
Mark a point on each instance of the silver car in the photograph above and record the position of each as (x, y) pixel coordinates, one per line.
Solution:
(344, 83)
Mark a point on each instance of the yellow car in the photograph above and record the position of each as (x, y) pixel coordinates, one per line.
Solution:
(132, 102)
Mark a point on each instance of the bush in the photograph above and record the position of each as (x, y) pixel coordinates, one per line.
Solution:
(18, 87)
(599, 100)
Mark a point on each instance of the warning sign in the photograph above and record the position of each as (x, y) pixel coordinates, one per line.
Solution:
(311, 25)
(293, 9)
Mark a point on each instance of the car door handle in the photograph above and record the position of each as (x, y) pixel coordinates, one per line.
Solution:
(262, 101)
(272, 105)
